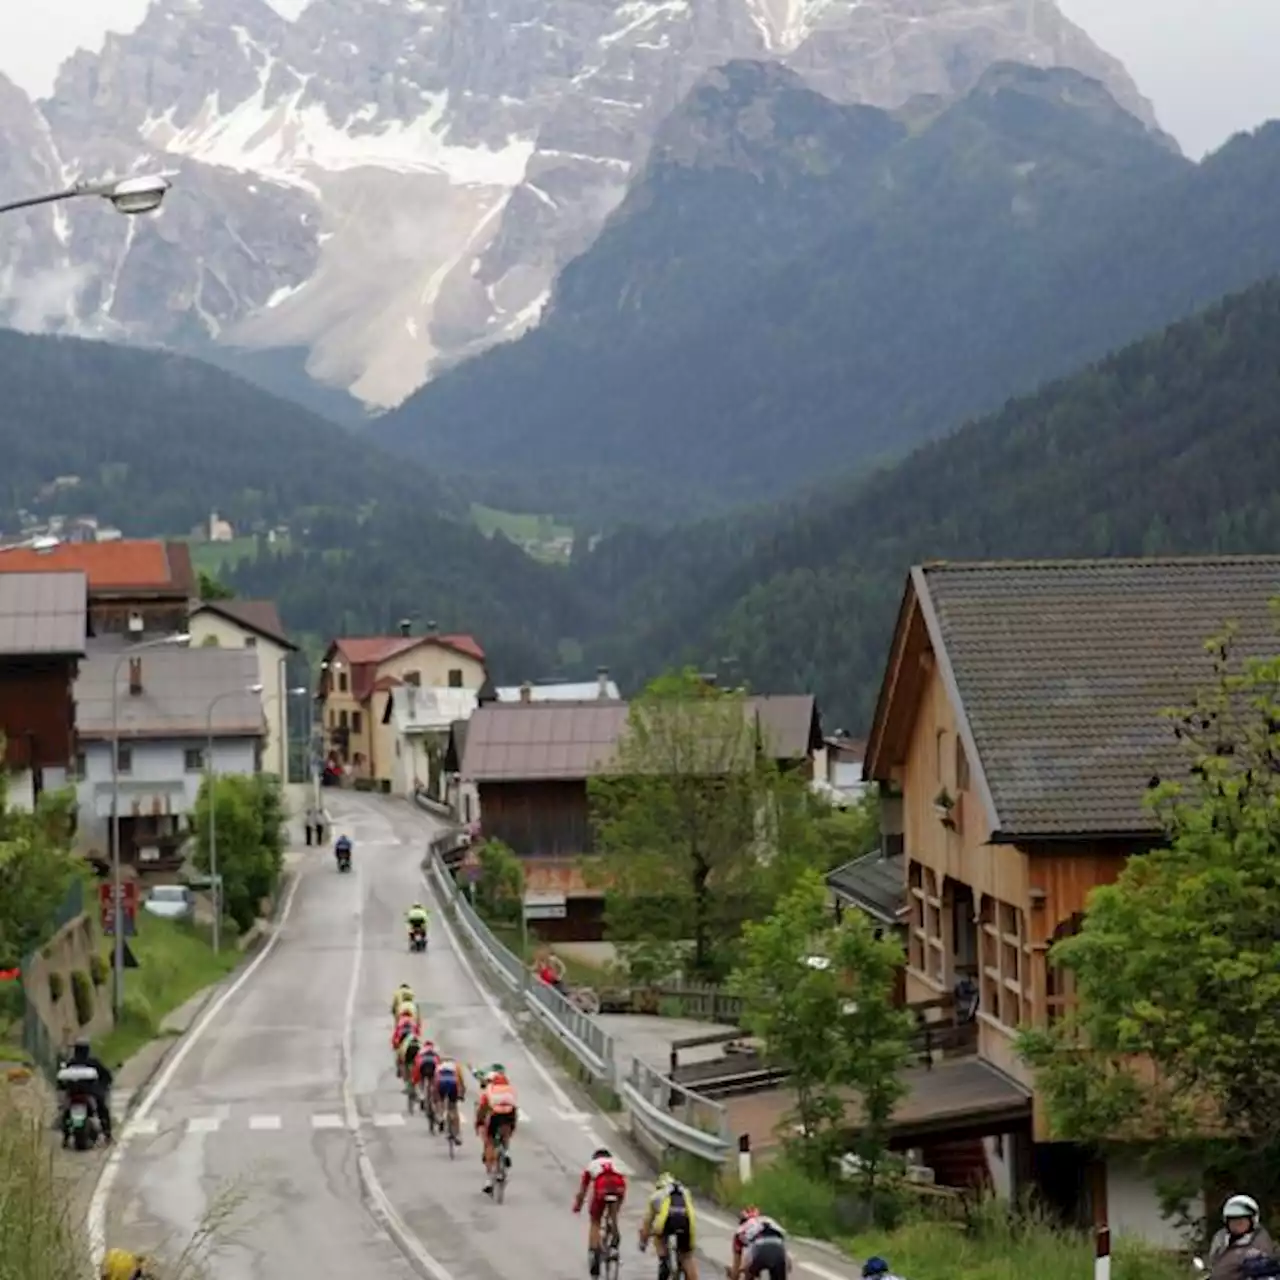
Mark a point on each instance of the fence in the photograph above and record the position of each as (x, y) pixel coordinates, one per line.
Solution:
(666, 1111)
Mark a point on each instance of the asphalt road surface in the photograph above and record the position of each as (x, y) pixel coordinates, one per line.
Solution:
(288, 1096)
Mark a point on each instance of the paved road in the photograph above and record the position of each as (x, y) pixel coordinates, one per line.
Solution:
(292, 1090)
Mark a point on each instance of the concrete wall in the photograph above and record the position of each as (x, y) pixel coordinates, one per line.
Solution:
(70, 950)
(1133, 1205)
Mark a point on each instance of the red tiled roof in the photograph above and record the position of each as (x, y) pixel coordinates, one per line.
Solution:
(136, 564)
(361, 649)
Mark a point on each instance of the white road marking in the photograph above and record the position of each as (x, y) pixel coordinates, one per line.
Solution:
(96, 1219)
(204, 1124)
(389, 1120)
(825, 1273)
(568, 1113)
(264, 1122)
(328, 1122)
(142, 1128)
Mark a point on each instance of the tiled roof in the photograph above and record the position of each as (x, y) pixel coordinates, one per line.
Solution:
(361, 649)
(786, 722)
(541, 741)
(873, 882)
(1063, 669)
(260, 616)
(42, 613)
(178, 685)
(129, 564)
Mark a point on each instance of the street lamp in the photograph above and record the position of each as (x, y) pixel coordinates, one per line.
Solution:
(213, 808)
(117, 987)
(126, 195)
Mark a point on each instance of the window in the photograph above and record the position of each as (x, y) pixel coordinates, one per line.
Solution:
(78, 767)
(924, 940)
(962, 766)
(124, 759)
(257, 757)
(342, 682)
(251, 642)
(356, 721)
(414, 678)
(940, 756)
(455, 677)
(193, 759)
(342, 719)
(1006, 978)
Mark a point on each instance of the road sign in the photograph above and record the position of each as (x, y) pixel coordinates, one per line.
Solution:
(546, 904)
(128, 908)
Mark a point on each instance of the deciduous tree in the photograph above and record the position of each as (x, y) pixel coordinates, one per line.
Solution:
(1177, 965)
(250, 836)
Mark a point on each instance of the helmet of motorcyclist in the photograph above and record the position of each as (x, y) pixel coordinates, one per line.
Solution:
(748, 1213)
(80, 1049)
(417, 906)
(1241, 1206)
(875, 1267)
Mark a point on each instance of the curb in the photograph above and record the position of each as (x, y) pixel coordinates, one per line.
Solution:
(210, 993)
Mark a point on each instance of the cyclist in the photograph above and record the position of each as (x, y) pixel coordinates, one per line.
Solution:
(449, 1088)
(407, 1023)
(759, 1244)
(495, 1117)
(403, 995)
(120, 1264)
(424, 1069)
(407, 1054)
(602, 1178)
(669, 1216)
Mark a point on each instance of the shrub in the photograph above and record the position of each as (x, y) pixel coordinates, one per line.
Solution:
(99, 970)
(56, 986)
(82, 993)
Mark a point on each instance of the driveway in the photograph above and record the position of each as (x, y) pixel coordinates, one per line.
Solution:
(290, 1091)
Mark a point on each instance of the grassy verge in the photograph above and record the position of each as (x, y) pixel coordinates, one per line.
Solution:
(577, 972)
(175, 961)
(989, 1241)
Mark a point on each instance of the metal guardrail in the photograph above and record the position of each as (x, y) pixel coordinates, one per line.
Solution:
(675, 1115)
(672, 1114)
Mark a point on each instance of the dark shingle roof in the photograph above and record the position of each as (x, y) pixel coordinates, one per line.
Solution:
(260, 616)
(873, 882)
(786, 723)
(42, 613)
(1063, 669)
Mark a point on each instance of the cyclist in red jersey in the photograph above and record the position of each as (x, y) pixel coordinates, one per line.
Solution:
(601, 1178)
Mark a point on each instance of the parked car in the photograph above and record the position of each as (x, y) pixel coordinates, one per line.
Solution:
(170, 902)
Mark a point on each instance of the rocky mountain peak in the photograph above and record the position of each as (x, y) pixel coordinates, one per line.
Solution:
(388, 186)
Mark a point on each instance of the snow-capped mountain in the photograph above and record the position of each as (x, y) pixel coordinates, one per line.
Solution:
(390, 185)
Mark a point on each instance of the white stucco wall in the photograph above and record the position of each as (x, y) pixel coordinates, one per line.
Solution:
(1133, 1206)
(211, 628)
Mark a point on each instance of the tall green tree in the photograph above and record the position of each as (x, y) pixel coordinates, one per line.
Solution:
(1174, 1040)
(250, 840)
(212, 588)
(820, 996)
(37, 868)
(500, 886)
(696, 823)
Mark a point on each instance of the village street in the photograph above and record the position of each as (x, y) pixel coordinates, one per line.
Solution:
(290, 1089)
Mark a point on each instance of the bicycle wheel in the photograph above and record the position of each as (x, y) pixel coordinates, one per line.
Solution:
(500, 1174)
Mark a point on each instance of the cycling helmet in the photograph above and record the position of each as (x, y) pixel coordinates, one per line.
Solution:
(875, 1267)
(602, 1153)
(664, 1181)
(748, 1213)
(1241, 1207)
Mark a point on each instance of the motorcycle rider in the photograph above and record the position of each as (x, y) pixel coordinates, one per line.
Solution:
(415, 916)
(343, 848)
(1241, 1238)
(99, 1091)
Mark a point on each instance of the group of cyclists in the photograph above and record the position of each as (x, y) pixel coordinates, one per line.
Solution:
(440, 1084)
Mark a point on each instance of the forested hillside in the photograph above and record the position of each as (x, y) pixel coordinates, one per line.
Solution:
(794, 287)
(1171, 446)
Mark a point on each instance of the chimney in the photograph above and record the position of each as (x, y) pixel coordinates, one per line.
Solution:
(406, 627)
(135, 676)
(526, 692)
(602, 682)
(433, 628)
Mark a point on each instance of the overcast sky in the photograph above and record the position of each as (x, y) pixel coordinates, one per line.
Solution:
(1210, 66)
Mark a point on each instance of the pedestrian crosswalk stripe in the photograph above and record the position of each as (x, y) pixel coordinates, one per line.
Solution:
(264, 1122)
(323, 1121)
(203, 1124)
(389, 1120)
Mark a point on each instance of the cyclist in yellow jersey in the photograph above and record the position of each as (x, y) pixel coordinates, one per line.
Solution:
(669, 1215)
(120, 1264)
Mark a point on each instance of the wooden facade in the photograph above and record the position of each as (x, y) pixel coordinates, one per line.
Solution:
(118, 613)
(537, 819)
(37, 712)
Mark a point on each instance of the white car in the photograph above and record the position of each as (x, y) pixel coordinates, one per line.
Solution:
(170, 902)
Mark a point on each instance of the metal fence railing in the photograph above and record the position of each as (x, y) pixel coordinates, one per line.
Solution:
(673, 1115)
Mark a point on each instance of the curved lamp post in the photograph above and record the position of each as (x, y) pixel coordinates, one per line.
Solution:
(117, 988)
(126, 195)
(213, 809)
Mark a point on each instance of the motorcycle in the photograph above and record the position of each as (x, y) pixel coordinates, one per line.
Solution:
(81, 1124)
(417, 937)
(344, 859)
